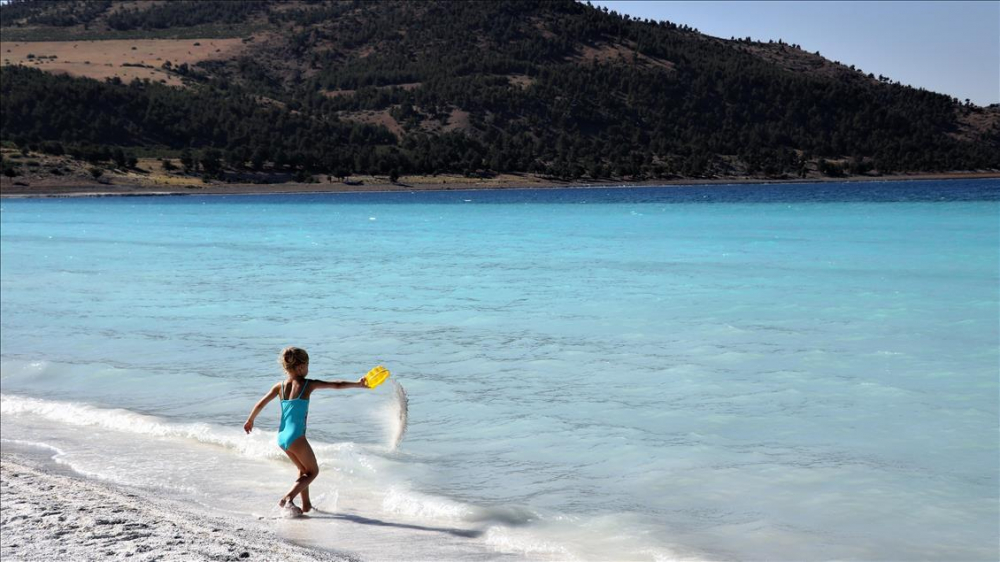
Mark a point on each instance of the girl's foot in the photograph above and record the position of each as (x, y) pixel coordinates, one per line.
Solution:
(291, 510)
(306, 507)
(288, 504)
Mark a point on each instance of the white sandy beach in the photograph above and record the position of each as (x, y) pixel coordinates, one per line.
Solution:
(50, 516)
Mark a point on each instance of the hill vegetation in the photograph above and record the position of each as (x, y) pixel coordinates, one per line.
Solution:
(559, 89)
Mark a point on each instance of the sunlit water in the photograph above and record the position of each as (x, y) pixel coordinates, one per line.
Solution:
(796, 372)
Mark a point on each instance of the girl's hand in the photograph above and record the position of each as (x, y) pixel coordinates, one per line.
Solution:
(248, 427)
(363, 382)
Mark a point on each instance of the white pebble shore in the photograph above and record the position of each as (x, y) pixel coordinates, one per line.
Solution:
(48, 516)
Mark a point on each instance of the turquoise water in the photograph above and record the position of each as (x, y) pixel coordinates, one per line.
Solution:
(793, 372)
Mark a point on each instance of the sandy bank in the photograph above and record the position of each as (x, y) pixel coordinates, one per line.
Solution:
(49, 516)
(58, 187)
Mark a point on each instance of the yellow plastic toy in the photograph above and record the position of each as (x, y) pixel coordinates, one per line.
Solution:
(376, 376)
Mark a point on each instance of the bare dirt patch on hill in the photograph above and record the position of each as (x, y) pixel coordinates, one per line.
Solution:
(409, 86)
(105, 59)
(458, 120)
(799, 61)
(521, 81)
(374, 118)
(974, 122)
(606, 53)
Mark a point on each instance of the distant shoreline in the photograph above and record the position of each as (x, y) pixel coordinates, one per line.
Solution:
(64, 188)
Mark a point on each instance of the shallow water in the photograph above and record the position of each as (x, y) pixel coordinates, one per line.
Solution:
(797, 372)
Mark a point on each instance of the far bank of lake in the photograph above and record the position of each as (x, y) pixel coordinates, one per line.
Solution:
(61, 187)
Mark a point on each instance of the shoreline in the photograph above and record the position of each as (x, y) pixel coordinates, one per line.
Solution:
(68, 189)
(50, 513)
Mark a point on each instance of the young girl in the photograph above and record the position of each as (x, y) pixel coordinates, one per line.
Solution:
(292, 432)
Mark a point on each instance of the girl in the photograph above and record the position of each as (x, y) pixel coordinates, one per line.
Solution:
(292, 432)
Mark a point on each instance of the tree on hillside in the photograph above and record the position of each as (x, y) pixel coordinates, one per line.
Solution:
(552, 87)
(209, 159)
(187, 161)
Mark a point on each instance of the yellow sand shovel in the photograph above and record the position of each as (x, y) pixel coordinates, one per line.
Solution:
(376, 376)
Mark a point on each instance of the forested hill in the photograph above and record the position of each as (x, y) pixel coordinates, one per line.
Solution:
(558, 88)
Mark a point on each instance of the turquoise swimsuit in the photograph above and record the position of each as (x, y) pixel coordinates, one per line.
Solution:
(293, 417)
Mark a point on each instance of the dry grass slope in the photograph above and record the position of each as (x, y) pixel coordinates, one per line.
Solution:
(105, 59)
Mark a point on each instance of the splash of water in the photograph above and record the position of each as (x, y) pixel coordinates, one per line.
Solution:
(398, 413)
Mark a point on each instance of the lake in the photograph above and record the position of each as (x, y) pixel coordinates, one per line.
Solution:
(781, 372)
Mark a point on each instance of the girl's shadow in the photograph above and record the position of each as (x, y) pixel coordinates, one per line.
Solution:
(317, 514)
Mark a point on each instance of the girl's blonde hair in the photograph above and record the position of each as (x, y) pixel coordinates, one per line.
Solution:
(291, 357)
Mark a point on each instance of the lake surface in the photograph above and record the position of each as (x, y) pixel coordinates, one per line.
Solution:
(781, 372)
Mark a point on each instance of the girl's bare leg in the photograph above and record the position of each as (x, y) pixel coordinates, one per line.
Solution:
(304, 453)
(306, 504)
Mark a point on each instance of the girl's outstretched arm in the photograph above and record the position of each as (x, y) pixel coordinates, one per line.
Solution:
(361, 383)
(248, 426)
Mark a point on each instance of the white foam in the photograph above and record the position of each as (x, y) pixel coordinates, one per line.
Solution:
(399, 501)
(259, 445)
(661, 556)
(37, 444)
(345, 458)
(374, 486)
(513, 541)
(63, 458)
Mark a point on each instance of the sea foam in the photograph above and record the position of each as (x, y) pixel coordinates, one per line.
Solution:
(259, 445)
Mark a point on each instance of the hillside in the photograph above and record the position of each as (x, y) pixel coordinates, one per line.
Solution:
(267, 91)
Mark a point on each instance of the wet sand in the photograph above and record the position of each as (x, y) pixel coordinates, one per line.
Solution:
(48, 515)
